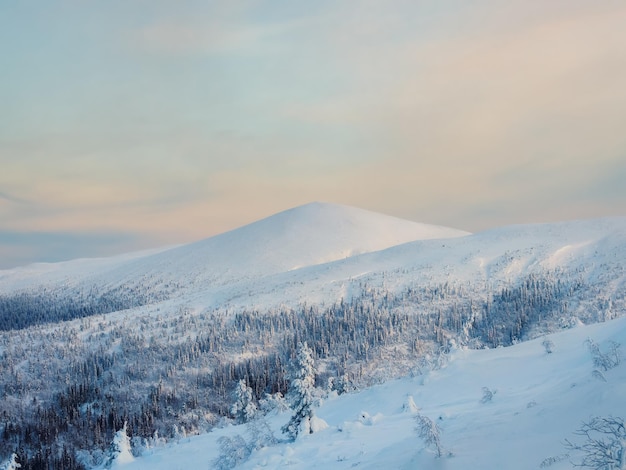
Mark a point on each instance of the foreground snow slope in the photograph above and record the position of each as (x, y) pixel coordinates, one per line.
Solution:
(540, 400)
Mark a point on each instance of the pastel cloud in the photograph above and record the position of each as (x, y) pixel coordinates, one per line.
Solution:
(465, 110)
(174, 123)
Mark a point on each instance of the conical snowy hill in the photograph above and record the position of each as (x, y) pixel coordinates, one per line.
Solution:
(312, 234)
(307, 235)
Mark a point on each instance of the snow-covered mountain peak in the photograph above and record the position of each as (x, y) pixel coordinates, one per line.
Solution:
(319, 232)
(334, 226)
(307, 235)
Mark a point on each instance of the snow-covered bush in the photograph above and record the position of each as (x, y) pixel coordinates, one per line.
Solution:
(547, 462)
(604, 361)
(367, 419)
(487, 395)
(548, 345)
(260, 434)
(178, 433)
(273, 402)
(409, 405)
(236, 449)
(233, 451)
(604, 445)
(429, 432)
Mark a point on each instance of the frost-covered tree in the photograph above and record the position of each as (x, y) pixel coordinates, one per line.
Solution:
(244, 409)
(487, 395)
(275, 402)
(303, 390)
(179, 433)
(120, 450)
(233, 451)
(548, 345)
(604, 447)
(343, 385)
(429, 432)
(549, 461)
(10, 464)
(237, 449)
(260, 434)
(604, 361)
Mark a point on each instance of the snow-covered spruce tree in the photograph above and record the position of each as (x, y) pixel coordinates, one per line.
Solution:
(429, 432)
(120, 450)
(604, 447)
(10, 464)
(244, 409)
(303, 391)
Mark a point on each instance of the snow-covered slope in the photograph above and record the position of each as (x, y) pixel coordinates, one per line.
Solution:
(322, 253)
(539, 400)
(593, 251)
(308, 235)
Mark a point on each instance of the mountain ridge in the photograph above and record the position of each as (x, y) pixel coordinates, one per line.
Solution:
(235, 271)
(310, 234)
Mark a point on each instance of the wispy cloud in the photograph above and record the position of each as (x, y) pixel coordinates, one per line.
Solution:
(189, 119)
(216, 28)
(453, 113)
(12, 199)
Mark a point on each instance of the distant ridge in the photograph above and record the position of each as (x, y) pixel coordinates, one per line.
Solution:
(307, 235)
(303, 236)
(314, 233)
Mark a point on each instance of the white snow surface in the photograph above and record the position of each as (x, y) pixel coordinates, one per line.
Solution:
(321, 253)
(308, 235)
(540, 400)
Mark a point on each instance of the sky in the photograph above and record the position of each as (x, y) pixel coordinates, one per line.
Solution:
(135, 124)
